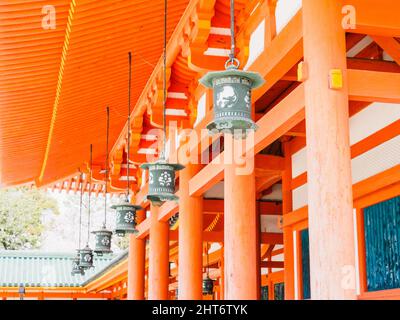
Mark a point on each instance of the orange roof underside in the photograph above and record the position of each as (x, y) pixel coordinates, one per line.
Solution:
(95, 75)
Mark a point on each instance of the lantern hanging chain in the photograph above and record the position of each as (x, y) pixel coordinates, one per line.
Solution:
(208, 267)
(80, 211)
(106, 173)
(129, 123)
(232, 62)
(232, 54)
(90, 192)
(165, 81)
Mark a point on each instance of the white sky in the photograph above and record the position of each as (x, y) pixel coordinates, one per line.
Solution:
(62, 230)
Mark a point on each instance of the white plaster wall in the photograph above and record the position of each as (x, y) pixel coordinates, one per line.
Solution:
(285, 11)
(257, 44)
(364, 123)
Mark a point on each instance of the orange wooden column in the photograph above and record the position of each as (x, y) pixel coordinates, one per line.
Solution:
(136, 263)
(330, 201)
(240, 244)
(158, 257)
(190, 273)
(287, 232)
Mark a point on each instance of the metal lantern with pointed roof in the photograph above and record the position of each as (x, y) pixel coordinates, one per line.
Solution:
(161, 181)
(125, 221)
(76, 268)
(232, 94)
(85, 257)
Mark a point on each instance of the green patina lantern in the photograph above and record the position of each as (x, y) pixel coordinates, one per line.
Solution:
(85, 257)
(232, 93)
(76, 268)
(102, 241)
(161, 181)
(208, 285)
(232, 99)
(125, 218)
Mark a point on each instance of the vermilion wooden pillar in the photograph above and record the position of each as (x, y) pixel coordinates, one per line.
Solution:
(190, 238)
(158, 257)
(240, 245)
(328, 154)
(287, 232)
(136, 263)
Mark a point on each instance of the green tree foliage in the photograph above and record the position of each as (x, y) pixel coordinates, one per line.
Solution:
(21, 212)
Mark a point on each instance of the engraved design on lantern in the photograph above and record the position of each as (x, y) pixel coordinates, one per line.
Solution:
(227, 97)
(129, 217)
(165, 179)
(105, 241)
(87, 257)
(247, 99)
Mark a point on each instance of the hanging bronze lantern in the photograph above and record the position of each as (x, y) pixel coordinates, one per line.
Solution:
(125, 218)
(232, 93)
(232, 99)
(102, 241)
(76, 268)
(85, 257)
(161, 181)
(208, 285)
